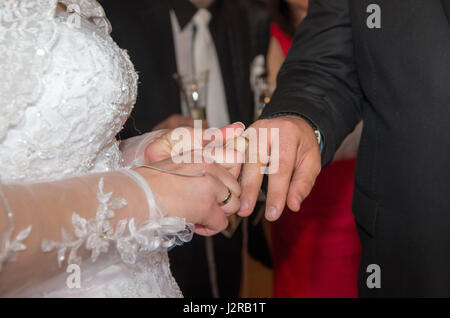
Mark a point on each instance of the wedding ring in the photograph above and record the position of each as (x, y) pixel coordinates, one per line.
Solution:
(228, 199)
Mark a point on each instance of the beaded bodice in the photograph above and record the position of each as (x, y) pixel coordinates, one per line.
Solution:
(68, 90)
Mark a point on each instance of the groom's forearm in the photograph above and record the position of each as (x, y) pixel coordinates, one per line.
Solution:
(318, 80)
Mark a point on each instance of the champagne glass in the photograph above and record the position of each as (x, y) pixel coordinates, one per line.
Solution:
(194, 90)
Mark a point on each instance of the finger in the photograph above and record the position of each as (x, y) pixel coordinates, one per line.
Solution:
(216, 223)
(236, 130)
(227, 191)
(303, 180)
(189, 138)
(162, 125)
(158, 146)
(204, 230)
(186, 121)
(199, 138)
(279, 184)
(214, 218)
(226, 179)
(229, 159)
(234, 169)
(232, 205)
(226, 133)
(251, 180)
(239, 144)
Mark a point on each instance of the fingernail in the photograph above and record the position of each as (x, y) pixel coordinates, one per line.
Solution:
(271, 213)
(240, 123)
(244, 206)
(300, 200)
(239, 131)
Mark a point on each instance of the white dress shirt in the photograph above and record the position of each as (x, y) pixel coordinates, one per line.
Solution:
(184, 39)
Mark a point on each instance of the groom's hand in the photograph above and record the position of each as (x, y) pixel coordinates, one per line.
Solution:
(299, 166)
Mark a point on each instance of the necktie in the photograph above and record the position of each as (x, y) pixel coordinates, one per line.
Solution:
(205, 59)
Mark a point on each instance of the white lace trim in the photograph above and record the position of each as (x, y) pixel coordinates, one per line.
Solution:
(97, 234)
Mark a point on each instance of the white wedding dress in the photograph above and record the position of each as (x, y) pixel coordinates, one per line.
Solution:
(66, 89)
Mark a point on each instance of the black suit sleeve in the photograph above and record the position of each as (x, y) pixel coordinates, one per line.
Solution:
(318, 79)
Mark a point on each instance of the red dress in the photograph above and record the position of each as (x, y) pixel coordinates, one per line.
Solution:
(316, 251)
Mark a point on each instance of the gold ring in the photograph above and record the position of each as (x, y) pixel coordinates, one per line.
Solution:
(228, 199)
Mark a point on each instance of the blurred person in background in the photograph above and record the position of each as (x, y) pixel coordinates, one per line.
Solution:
(316, 252)
(164, 37)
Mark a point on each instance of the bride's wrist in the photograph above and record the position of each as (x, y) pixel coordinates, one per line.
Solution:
(147, 174)
(142, 177)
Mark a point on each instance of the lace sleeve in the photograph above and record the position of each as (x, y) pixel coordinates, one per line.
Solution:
(48, 225)
(133, 148)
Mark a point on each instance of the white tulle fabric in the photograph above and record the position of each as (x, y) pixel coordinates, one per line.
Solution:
(65, 93)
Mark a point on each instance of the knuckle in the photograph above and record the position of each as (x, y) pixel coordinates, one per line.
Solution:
(306, 185)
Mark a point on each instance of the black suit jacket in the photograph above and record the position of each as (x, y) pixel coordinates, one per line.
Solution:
(144, 29)
(397, 78)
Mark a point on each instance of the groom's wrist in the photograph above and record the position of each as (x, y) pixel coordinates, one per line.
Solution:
(317, 131)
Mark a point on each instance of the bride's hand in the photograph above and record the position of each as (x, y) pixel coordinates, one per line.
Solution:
(158, 145)
(197, 199)
(161, 148)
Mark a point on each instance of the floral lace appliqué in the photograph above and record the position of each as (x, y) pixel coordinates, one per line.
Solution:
(97, 234)
(10, 248)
